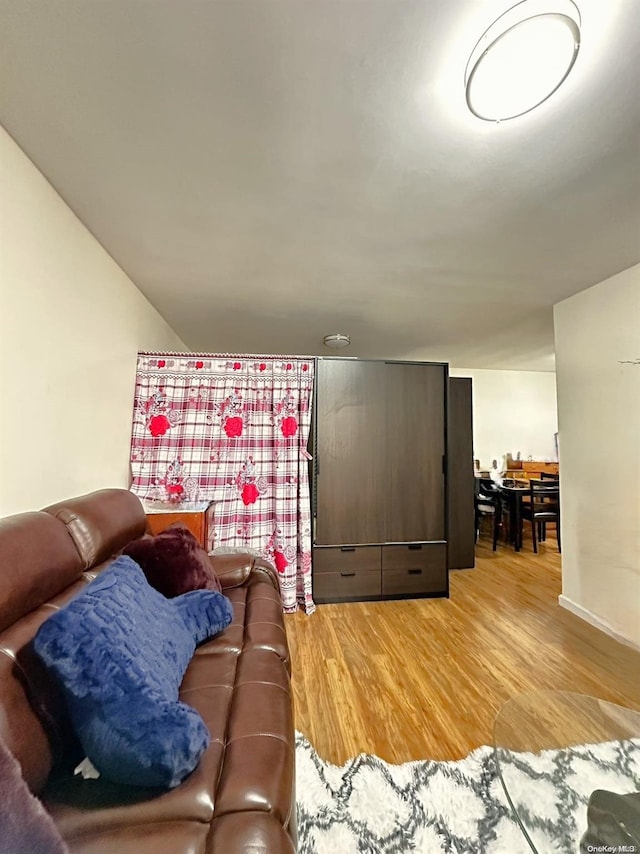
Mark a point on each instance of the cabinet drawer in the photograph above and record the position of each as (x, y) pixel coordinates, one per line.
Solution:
(408, 571)
(413, 582)
(414, 555)
(348, 585)
(347, 559)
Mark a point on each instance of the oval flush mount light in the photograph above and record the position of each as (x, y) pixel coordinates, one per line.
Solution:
(337, 341)
(522, 58)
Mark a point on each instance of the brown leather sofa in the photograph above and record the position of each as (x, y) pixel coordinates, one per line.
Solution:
(241, 796)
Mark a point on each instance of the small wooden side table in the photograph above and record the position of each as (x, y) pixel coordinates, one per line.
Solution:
(198, 518)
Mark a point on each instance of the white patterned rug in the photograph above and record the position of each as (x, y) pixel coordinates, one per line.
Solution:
(368, 806)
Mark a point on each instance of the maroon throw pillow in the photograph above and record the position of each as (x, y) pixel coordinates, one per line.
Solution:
(173, 561)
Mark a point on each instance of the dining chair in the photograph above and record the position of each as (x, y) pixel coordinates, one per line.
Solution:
(543, 506)
(547, 475)
(488, 502)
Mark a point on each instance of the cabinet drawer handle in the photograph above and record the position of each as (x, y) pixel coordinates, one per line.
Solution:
(347, 548)
(415, 572)
(414, 547)
(347, 574)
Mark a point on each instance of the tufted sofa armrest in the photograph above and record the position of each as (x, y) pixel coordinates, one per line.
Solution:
(235, 570)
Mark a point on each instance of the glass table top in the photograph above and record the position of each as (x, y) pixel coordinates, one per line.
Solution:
(553, 749)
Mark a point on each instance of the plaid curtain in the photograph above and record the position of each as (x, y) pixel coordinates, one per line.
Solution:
(233, 430)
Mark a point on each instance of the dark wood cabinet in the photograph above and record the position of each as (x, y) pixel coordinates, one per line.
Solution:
(460, 476)
(413, 397)
(349, 442)
(379, 490)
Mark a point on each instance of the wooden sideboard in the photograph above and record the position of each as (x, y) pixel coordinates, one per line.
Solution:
(199, 522)
(532, 468)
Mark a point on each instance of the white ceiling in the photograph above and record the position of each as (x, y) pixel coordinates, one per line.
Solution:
(270, 171)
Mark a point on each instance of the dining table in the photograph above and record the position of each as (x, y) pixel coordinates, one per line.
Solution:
(514, 495)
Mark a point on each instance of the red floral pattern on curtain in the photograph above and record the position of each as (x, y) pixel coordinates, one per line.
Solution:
(233, 430)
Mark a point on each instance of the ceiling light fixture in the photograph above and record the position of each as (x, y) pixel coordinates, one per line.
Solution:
(337, 341)
(522, 58)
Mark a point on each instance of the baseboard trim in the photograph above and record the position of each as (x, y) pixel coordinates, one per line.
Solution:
(593, 620)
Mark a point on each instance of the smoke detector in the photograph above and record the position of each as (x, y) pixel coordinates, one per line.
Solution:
(337, 341)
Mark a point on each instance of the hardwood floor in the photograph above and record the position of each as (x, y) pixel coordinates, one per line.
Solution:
(424, 678)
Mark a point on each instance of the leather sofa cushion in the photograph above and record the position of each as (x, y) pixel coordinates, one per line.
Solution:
(258, 770)
(234, 570)
(101, 523)
(257, 623)
(162, 837)
(82, 808)
(250, 832)
(34, 723)
(20, 727)
(38, 560)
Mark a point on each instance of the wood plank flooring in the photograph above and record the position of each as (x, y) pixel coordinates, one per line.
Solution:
(424, 678)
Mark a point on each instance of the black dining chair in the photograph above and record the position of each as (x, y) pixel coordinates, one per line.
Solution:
(543, 506)
(547, 475)
(488, 502)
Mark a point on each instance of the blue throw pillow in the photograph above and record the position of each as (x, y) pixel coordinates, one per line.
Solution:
(120, 650)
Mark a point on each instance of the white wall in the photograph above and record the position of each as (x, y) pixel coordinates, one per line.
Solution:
(597, 334)
(71, 323)
(512, 411)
